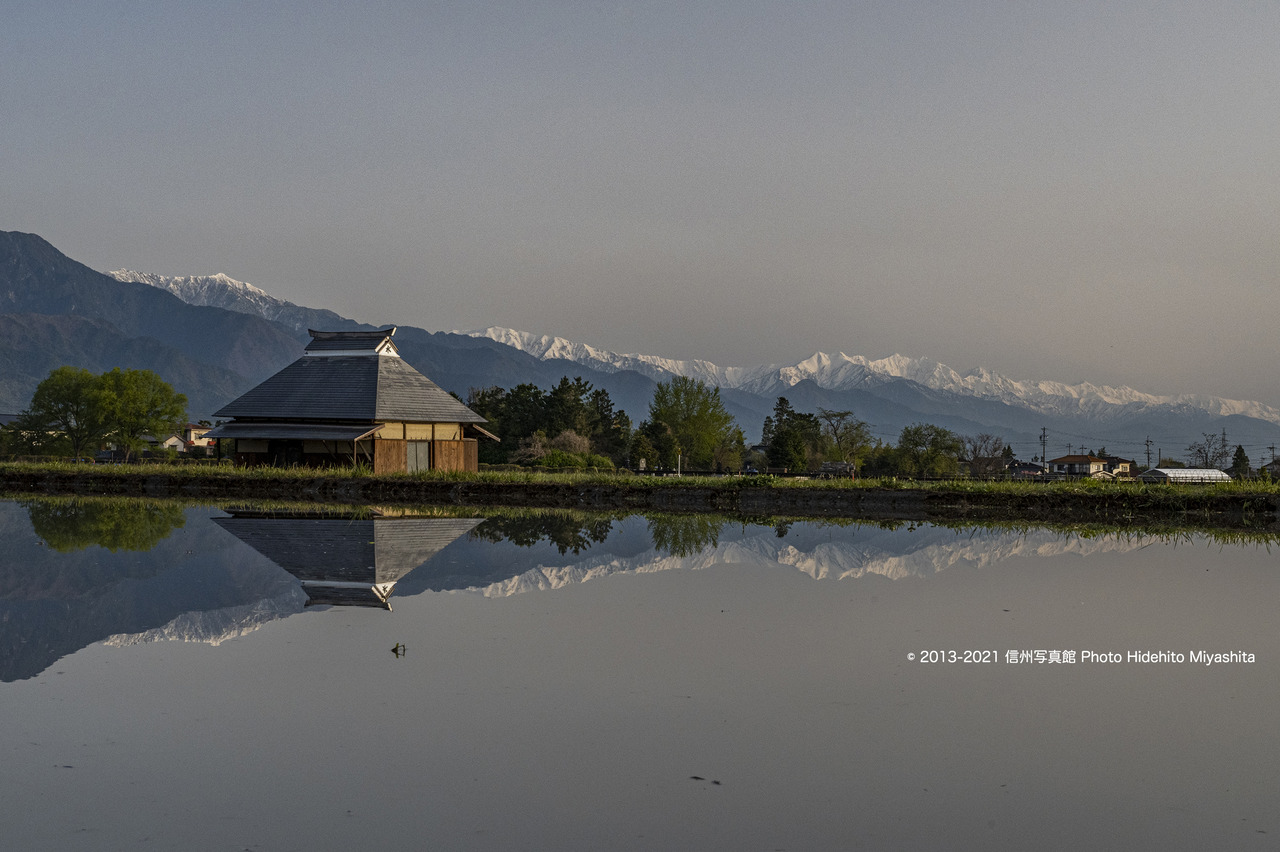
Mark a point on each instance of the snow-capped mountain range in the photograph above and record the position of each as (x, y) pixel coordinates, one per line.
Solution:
(849, 372)
(889, 393)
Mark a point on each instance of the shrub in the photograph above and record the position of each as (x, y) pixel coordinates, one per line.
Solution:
(561, 459)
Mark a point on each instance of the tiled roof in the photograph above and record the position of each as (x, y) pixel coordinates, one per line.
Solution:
(340, 341)
(350, 387)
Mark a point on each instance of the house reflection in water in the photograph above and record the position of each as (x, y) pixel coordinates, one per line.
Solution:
(346, 561)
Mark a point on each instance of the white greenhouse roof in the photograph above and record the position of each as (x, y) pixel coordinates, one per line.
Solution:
(1184, 474)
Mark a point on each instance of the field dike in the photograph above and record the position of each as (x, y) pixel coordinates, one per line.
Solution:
(1117, 505)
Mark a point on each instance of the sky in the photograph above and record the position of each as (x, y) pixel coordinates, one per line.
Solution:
(1077, 191)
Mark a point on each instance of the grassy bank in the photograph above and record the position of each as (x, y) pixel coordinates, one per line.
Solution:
(1249, 505)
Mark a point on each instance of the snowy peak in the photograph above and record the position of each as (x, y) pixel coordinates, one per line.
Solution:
(190, 288)
(549, 348)
(845, 372)
(223, 291)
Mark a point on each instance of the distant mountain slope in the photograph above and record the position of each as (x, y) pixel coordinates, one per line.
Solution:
(206, 353)
(221, 291)
(33, 345)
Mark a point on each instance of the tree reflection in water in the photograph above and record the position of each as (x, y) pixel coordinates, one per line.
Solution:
(570, 532)
(685, 535)
(113, 523)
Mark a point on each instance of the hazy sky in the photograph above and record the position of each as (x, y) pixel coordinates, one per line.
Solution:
(1071, 191)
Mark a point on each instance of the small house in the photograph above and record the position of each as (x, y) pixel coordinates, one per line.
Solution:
(1118, 467)
(351, 399)
(1078, 465)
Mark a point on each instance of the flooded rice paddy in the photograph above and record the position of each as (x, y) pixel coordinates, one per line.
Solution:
(193, 677)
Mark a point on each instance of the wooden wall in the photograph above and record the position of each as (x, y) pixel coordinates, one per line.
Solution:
(390, 456)
(456, 455)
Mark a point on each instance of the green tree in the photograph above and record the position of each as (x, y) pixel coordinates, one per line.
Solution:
(137, 403)
(792, 439)
(849, 437)
(611, 429)
(656, 444)
(515, 416)
(704, 432)
(69, 402)
(928, 450)
(1240, 463)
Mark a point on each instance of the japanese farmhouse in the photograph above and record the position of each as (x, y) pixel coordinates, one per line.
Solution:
(351, 399)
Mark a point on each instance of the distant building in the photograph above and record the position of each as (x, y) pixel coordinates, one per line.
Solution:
(351, 399)
(193, 435)
(1077, 465)
(1118, 467)
(1025, 470)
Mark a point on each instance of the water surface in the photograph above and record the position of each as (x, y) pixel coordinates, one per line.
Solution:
(542, 680)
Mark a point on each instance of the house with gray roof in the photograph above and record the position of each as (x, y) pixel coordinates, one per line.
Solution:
(351, 399)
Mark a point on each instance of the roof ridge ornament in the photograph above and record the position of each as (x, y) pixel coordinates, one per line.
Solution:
(347, 343)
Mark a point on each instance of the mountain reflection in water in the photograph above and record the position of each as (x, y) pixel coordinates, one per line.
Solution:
(80, 571)
(726, 684)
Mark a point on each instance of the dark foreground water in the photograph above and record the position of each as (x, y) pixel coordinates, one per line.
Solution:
(184, 679)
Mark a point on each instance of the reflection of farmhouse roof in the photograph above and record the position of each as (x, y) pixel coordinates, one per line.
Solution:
(345, 560)
(350, 375)
(1184, 474)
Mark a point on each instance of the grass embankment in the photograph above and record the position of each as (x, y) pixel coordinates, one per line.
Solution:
(1249, 504)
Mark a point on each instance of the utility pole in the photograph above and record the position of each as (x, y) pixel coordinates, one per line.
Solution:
(1148, 451)
(1044, 458)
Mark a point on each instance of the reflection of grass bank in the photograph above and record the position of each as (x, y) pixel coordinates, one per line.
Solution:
(78, 520)
(1239, 505)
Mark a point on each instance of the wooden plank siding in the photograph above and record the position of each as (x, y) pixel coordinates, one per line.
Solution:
(456, 455)
(393, 456)
(390, 456)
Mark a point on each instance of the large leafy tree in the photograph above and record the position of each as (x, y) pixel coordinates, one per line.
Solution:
(69, 404)
(705, 433)
(137, 403)
(849, 437)
(928, 450)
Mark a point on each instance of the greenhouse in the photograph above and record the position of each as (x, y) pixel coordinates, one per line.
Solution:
(1184, 474)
